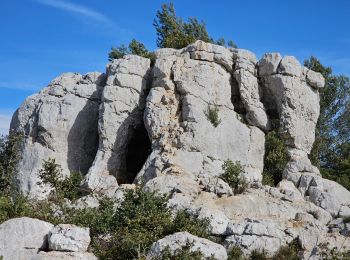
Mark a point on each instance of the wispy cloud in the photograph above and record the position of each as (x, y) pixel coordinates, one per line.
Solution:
(77, 9)
(89, 15)
(5, 121)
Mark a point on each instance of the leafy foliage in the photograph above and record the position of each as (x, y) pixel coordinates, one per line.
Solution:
(135, 47)
(9, 157)
(235, 253)
(233, 176)
(331, 150)
(288, 252)
(212, 114)
(184, 221)
(68, 187)
(257, 255)
(173, 32)
(222, 42)
(275, 159)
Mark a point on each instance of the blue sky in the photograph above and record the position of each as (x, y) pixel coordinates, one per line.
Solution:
(41, 39)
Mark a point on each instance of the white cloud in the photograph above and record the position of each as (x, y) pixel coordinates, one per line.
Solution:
(5, 121)
(75, 8)
(91, 15)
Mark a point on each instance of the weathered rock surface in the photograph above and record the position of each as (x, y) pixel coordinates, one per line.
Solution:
(22, 238)
(185, 84)
(66, 237)
(121, 111)
(59, 122)
(27, 238)
(293, 102)
(150, 125)
(179, 240)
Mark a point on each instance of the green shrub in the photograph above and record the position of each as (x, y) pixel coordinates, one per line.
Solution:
(235, 253)
(288, 252)
(346, 219)
(135, 47)
(275, 159)
(233, 176)
(9, 157)
(257, 255)
(141, 219)
(183, 221)
(212, 114)
(68, 187)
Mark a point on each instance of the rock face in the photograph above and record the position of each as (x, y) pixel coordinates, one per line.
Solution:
(169, 127)
(27, 238)
(179, 240)
(120, 124)
(155, 121)
(186, 83)
(59, 122)
(22, 238)
(65, 237)
(293, 102)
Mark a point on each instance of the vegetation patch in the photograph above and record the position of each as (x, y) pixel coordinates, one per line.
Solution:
(275, 159)
(212, 114)
(233, 176)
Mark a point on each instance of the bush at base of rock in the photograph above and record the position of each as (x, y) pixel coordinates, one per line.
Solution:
(275, 159)
(233, 176)
(51, 173)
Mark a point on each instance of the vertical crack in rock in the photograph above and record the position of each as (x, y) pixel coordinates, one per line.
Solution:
(120, 123)
(236, 98)
(245, 75)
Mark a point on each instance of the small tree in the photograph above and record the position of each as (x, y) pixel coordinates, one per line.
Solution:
(233, 176)
(275, 159)
(173, 32)
(135, 47)
(68, 187)
(9, 157)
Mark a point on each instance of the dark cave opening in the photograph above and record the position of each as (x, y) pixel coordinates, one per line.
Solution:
(138, 149)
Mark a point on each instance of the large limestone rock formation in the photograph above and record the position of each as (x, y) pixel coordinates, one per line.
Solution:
(185, 84)
(150, 126)
(59, 122)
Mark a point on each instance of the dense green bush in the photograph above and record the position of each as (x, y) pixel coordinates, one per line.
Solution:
(212, 114)
(63, 187)
(235, 253)
(135, 47)
(9, 157)
(233, 176)
(275, 159)
(331, 150)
